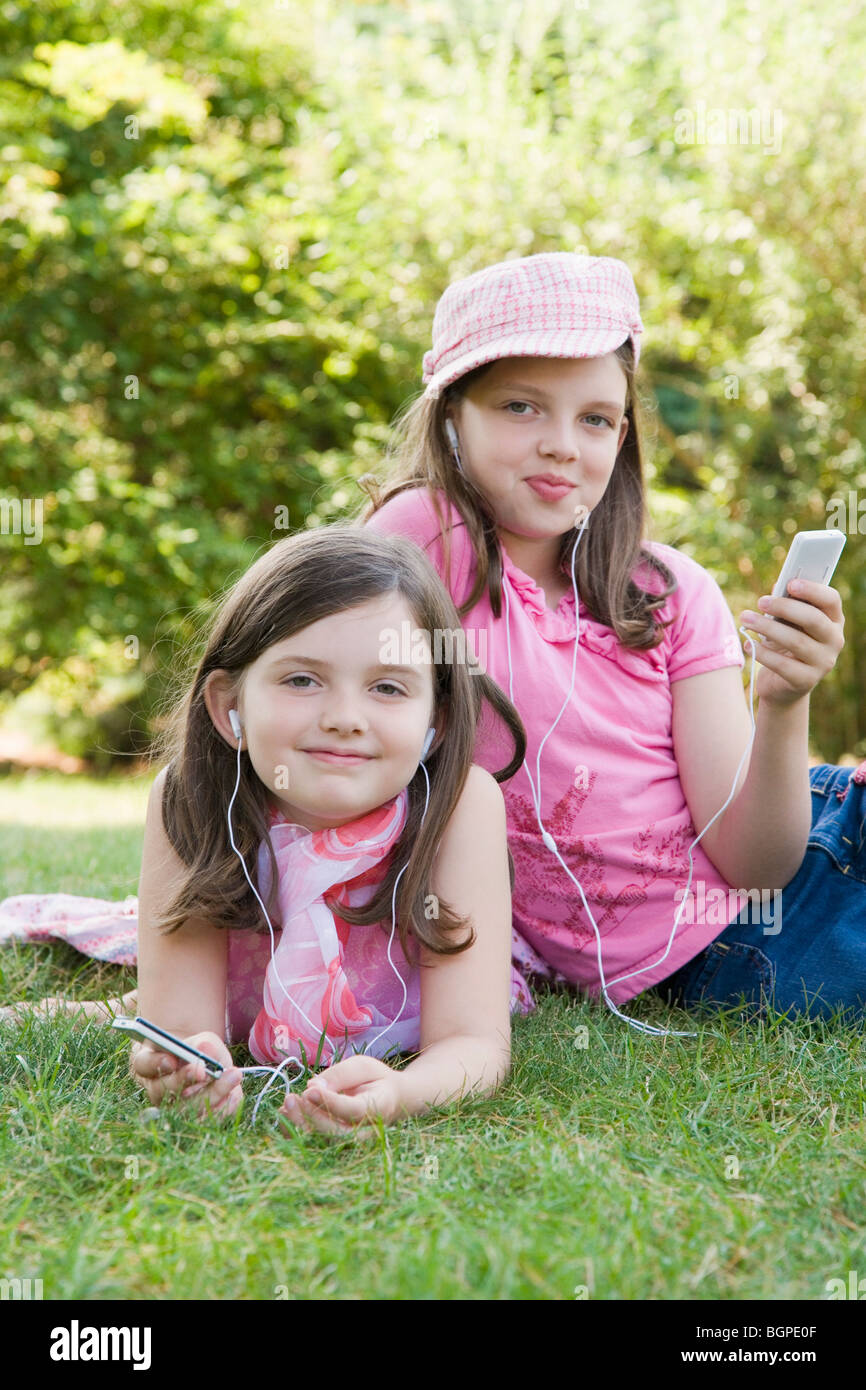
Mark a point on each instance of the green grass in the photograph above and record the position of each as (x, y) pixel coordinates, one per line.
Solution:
(728, 1166)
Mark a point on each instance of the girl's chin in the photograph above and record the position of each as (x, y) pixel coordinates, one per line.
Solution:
(336, 802)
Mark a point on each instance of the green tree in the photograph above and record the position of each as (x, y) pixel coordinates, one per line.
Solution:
(224, 229)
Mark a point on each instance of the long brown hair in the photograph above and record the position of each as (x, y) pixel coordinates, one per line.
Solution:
(300, 580)
(419, 455)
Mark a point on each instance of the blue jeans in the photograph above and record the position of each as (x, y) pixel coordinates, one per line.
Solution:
(812, 959)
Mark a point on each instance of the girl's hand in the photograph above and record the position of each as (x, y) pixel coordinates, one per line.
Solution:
(793, 662)
(342, 1097)
(166, 1078)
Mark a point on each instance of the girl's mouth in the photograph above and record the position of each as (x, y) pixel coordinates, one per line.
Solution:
(550, 491)
(340, 759)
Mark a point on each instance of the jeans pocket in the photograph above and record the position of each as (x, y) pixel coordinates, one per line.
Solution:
(839, 819)
(732, 971)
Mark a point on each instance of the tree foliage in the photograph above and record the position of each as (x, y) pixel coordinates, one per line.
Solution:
(224, 228)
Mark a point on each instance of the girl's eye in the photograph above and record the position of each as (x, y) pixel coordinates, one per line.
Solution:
(521, 415)
(387, 685)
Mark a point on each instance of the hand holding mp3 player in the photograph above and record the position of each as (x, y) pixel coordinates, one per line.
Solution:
(146, 1031)
(194, 1071)
(792, 666)
(813, 555)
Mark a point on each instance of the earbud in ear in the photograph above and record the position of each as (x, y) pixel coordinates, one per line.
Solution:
(235, 722)
(431, 734)
(452, 436)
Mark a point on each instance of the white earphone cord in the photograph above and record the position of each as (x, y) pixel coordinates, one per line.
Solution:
(551, 843)
(323, 1036)
(547, 839)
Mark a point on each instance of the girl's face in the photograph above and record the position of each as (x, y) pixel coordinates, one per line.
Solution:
(312, 699)
(530, 416)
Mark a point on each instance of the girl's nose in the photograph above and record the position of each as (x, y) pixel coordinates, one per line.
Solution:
(561, 443)
(343, 714)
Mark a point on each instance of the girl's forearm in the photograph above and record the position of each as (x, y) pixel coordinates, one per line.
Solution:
(764, 832)
(458, 1066)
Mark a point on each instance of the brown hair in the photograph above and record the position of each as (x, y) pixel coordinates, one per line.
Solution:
(420, 456)
(300, 580)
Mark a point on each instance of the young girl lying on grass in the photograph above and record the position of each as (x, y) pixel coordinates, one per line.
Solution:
(347, 838)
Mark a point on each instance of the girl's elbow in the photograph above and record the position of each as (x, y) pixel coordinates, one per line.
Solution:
(497, 1067)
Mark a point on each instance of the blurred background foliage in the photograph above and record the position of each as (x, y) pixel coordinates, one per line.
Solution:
(223, 231)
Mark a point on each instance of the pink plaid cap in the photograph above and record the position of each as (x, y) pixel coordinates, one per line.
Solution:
(555, 304)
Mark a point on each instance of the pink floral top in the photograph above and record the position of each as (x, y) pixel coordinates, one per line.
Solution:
(370, 975)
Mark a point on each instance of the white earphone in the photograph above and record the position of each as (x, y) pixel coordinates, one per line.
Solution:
(551, 843)
(546, 836)
(452, 437)
(235, 722)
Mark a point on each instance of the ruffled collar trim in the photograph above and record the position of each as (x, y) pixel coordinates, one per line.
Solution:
(559, 625)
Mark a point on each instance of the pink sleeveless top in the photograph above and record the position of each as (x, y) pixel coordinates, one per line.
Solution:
(368, 971)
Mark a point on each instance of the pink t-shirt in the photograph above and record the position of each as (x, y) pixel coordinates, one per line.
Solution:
(610, 788)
